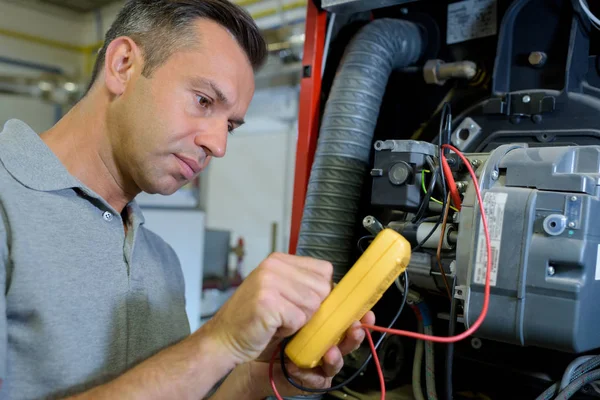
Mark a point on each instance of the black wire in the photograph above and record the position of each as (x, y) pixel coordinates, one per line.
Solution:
(359, 243)
(445, 126)
(425, 202)
(406, 285)
(437, 224)
(450, 348)
(444, 138)
(445, 130)
(436, 168)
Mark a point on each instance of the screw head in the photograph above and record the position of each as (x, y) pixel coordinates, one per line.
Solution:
(495, 175)
(551, 271)
(526, 99)
(476, 343)
(571, 224)
(573, 198)
(537, 58)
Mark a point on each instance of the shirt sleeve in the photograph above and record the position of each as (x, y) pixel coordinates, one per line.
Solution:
(4, 260)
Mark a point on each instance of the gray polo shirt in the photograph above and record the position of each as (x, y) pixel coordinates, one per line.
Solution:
(82, 302)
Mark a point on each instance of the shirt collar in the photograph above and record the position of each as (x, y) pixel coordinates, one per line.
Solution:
(27, 158)
(136, 217)
(31, 162)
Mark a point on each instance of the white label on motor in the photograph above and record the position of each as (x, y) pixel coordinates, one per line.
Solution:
(598, 264)
(494, 205)
(471, 19)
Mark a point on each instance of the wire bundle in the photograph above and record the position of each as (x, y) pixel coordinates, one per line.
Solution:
(425, 325)
(575, 377)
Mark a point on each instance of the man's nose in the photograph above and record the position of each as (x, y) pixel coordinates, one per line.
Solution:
(214, 139)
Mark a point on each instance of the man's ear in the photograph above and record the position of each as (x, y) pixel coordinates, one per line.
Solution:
(122, 60)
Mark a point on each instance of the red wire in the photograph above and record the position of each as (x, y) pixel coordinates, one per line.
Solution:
(438, 339)
(271, 374)
(376, 361)
(451, 183)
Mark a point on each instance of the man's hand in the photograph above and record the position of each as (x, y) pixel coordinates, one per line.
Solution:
(251, 380)
(322, 376)
(273, 302)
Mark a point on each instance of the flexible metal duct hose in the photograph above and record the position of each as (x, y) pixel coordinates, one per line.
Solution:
(346, 136)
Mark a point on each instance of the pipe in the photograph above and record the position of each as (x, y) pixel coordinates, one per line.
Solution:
(429, 352)
(58, 111)
(346, 135)
(417, 366)
(31, 65)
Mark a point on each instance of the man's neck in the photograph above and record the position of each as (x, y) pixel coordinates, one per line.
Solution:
(80, 140)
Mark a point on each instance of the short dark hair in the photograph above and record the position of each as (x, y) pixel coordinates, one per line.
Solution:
(160, 27)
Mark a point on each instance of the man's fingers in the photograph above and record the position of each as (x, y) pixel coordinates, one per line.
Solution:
(354, 337)
(356, 334)
(332, 362)
(369, 318)
(293, 318)
(305, 297)
(320, 267)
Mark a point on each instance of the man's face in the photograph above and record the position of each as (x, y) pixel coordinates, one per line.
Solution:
(165, 129)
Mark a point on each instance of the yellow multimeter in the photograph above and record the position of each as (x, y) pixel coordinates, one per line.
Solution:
(384, 260)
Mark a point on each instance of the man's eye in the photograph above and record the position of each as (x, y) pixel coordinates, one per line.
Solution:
(230, 128)
(203, 101)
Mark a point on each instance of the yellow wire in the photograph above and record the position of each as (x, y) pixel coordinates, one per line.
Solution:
(425, 189)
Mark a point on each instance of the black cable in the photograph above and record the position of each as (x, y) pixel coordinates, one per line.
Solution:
(445, 126)
(437, 224)
(450, 346)
(406, 285)
(359, 243)
(425, 202)
(436, 168)
(444, 133)
(444, 138)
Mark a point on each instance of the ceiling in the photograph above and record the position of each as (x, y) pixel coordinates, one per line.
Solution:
(81, 6)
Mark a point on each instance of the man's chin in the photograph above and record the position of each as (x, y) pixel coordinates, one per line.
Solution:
(164, 188)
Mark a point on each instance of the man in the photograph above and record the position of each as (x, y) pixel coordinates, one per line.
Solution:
(93, 305)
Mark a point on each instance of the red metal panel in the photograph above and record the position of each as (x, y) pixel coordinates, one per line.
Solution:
(308, 115)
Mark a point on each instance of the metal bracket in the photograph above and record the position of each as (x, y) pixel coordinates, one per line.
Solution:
(491, 170)
(522, 104)
(465, 133)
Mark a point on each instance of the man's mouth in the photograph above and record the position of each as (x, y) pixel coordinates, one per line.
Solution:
(189, 167)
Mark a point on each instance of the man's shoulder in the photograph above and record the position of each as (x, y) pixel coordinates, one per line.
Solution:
(9, 183)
